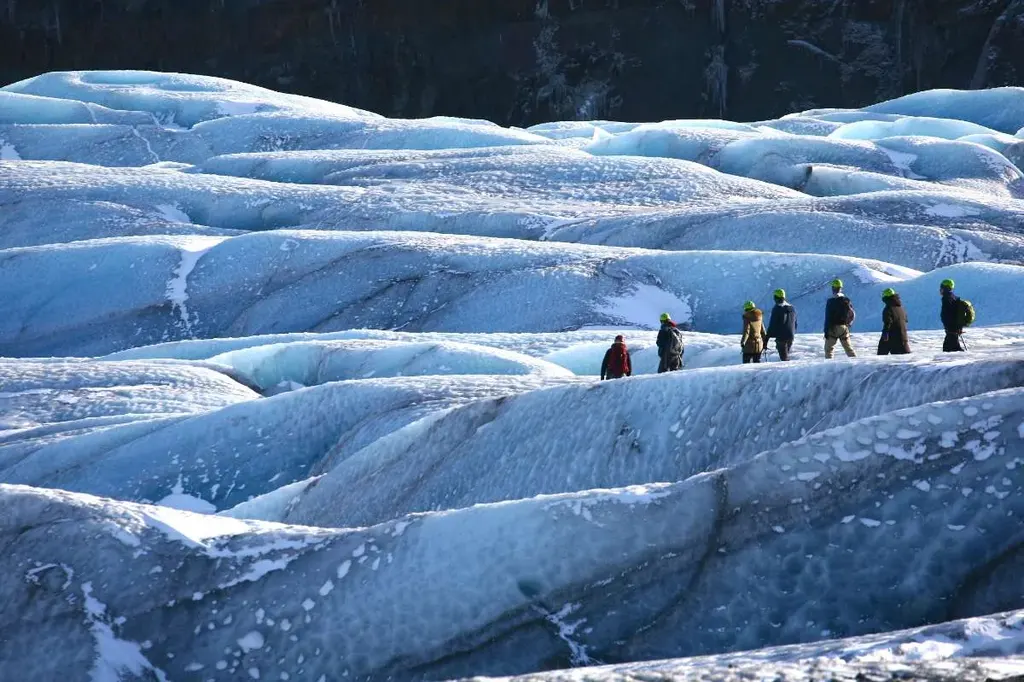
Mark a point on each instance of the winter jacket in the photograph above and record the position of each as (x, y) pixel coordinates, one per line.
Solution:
(894, 339)
(782, 325)
(834, 313)
(670, 341)
(616, 362)
(754, 336)
(948, 315)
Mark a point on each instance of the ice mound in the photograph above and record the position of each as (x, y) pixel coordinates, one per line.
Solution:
(663, 428)
(283, 281)
(581, 578)
(42, 393)
(313, 363)
(225, 456)
(171, 99)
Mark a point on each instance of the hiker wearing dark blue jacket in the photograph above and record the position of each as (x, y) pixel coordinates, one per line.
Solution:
(782, 324)
(839, 315)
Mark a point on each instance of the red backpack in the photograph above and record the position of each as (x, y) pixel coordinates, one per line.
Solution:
(618, 361)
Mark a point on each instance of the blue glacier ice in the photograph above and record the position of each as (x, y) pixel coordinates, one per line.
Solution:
(580, 578)
(662, 428)
(228, 309)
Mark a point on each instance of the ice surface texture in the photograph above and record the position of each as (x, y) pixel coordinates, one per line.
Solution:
(224, 456)
(769, 551)
(946, 184)
(253, 305)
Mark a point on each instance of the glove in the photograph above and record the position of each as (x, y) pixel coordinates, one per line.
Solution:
(885, 337)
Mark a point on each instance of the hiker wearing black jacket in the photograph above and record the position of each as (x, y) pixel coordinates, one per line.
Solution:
(950, 318)
(782, 324)
(670, 346)
(894, 339)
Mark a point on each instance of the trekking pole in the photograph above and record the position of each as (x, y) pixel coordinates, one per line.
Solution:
(962, 342)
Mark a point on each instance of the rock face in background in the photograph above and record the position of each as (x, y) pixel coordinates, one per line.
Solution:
(519, 62)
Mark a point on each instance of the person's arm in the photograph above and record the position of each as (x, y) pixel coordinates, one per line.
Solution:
(604, 364)
(746, 333)
(629, 364)
(828, 306)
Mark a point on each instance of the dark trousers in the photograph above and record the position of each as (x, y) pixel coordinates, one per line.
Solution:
(670, 364)
(951, 344)
(751, 357)
(783, 347)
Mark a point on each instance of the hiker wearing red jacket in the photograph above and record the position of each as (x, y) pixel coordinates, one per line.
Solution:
(616, 362)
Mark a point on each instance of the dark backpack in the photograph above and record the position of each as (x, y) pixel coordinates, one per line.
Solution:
(846, 314)
(676, 345)
(964, 313)
(618, 360)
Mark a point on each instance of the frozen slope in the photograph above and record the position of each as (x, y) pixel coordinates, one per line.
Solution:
(662, 428)
(312, 363)
(281, 281)
(225, 456)
(38, 393)
(590, 577)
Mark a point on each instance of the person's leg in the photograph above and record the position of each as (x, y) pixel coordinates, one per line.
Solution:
(847, 346)
(782, 347)
(883, 347)
(747, 358)
(755, 357)
(951, 344)
(830, 346)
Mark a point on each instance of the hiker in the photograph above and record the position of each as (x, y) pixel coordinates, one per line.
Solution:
(616, 362)
(839, 315)
(894, 339)
(754, 338)
(670, 346)
(782, 324)
(956, 314)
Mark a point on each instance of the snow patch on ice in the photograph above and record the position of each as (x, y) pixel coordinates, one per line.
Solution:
(173, 213)
(192, 249)
(8, 152)
(251, 642)
(115, 657)
(192, 529)
(643, 306)
(184, 502)
(951, 211)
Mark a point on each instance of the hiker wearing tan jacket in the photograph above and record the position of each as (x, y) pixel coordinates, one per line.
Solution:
(755, 338)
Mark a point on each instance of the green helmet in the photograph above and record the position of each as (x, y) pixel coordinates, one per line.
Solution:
(780, 293)
(749, 305)
(888, 293)
(665, 317)
(837, 284)
(948, 284)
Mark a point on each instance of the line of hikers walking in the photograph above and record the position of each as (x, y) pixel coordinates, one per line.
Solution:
(956, 314)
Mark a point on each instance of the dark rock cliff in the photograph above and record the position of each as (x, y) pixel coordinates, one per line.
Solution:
(524, 61)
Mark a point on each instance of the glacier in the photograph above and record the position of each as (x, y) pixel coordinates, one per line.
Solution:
(291, 390)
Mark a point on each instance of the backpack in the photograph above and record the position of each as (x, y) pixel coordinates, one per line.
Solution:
(618, 361)
(676, 347)
(846, 314)
(964, 313)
